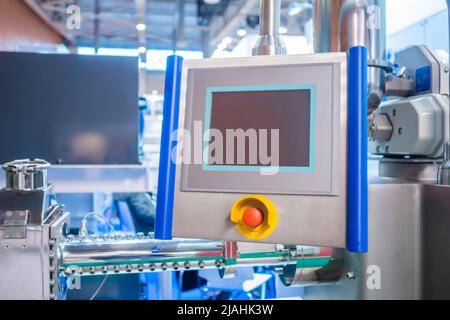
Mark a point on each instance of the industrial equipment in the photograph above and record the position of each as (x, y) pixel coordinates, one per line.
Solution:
(414, 125)
(307, 201)
(297, 106)
(34, 232)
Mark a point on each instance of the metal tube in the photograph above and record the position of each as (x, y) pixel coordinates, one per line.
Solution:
(92, 253)
(352, 24)
(326, 25)
(94, 256)
(270, 17)
(376, 72)
(363, 23)
(269, 41)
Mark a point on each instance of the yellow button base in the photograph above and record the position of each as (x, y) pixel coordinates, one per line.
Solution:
(268, 224)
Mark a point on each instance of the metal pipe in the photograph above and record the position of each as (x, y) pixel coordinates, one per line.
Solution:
(269, 41)
(363, 23)
(110, 252)
(326, 25)
(353, 30)
(376, 73)
(106, 256)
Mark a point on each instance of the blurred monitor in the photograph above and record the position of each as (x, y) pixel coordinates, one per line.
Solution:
(69, 109)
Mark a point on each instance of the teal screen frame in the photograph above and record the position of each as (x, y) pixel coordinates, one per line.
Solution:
(242, 168)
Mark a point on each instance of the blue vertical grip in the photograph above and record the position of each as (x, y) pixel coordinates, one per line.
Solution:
(357, 185)
(166, 176)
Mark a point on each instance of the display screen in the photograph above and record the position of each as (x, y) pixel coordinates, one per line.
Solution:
(257, 127)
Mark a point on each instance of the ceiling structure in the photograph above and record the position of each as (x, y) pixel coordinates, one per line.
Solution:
(164, 24)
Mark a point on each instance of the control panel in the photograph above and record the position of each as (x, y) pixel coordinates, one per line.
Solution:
(259, 150)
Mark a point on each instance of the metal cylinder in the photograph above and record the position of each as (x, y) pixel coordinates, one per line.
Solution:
(377, 53)
(300, 265)
(326, 25)
(269, 41)
(111, 252)
(27, 175)
(363, 23)
(353, 29)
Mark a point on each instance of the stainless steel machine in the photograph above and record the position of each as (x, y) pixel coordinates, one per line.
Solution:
(319, 232)
(39, 254)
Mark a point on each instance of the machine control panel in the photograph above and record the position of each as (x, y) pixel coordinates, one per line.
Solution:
(261, 150)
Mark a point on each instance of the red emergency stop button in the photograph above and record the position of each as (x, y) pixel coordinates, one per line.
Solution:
(252, 217)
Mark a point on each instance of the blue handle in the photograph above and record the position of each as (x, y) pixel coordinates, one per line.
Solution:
(357, 185)
(166, 176)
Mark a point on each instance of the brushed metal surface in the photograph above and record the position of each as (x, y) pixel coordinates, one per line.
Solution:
(436, 230)
(395, 247)
(22, 273)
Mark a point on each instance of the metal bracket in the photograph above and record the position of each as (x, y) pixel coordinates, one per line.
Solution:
(292, 272)
(15, 224)
(229, 271)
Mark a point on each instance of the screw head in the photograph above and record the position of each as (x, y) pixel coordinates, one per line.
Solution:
(351, 275)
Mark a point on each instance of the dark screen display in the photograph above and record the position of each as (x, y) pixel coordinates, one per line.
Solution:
(69, 109)
(288, 111)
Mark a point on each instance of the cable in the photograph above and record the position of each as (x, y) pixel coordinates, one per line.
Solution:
(96, 214)
(99, 287)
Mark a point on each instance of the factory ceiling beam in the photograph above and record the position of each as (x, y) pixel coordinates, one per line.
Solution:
(60, 29)
(233, 23)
